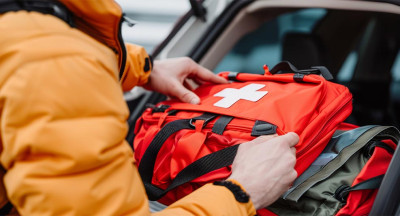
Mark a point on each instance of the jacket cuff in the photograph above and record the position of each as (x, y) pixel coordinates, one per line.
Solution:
(210, 200)
(243, 189)
(248, 206)
(236, 189)
(138, 67)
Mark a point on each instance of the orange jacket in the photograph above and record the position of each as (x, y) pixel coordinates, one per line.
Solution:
(63, 118)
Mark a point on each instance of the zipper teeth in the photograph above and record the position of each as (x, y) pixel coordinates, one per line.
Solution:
(232, 127)
(120, 39)
(229, 126)
(122, 46)
(247, 129)
(301, 152)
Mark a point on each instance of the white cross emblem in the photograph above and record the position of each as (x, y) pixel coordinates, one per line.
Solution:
(232, 95)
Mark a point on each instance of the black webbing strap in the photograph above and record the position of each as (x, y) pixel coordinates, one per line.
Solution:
(198, 168)
(391, 133)
(220, 124)
(54, 8)
(384, 146)
(372, 183)
(148, 160)
(204, 165)
(342, 192)
(369, 149)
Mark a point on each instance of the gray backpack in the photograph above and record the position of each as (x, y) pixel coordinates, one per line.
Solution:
(343, 168)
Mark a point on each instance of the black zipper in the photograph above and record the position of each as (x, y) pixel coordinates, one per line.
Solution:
(123, 49)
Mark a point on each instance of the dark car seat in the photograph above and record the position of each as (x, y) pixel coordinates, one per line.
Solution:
(303, 50)
(372, 77)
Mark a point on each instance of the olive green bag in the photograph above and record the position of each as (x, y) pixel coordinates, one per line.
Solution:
(324, 187)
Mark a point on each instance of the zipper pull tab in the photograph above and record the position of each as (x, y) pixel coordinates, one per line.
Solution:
(266, 69)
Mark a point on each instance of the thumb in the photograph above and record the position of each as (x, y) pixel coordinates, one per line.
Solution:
(290, 139)
(184, 94)
(257, 141)
(261, 139)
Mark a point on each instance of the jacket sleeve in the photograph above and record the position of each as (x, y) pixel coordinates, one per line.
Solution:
(63, 125)
(209, 200)
(138, 67)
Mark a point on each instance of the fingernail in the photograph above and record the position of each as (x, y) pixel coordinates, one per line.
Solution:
(223, 80)
(195, 101)
(294, 135)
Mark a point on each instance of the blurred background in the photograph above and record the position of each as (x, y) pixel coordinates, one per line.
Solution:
(155, 20)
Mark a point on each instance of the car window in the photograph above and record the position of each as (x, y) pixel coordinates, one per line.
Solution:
(290, 37)
(396, 69)
(395, 85)
(264, 46)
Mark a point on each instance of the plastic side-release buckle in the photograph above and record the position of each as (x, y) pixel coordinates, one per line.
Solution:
(263, 128)
(232, 76)
(159, 108)
(298, 77)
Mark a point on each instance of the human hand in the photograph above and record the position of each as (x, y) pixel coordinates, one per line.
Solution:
(169, 77)
(265, 167)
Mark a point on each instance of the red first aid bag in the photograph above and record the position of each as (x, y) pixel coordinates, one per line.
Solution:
(179, 147)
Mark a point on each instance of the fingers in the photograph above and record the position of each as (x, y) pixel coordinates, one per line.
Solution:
(293, 149)
(204, 74)
(293, 176)
(190, 84)
(184, 94)
(261, 139)
(272, 159)
(256, 141)
(290, 138)
(169, 77)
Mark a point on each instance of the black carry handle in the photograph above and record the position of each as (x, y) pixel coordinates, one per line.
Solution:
(287, 67)
(204, 165)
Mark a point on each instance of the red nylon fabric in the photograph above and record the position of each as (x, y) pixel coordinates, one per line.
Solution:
(360, 202)
(265, 212)
(187, 149)
(312, 109)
